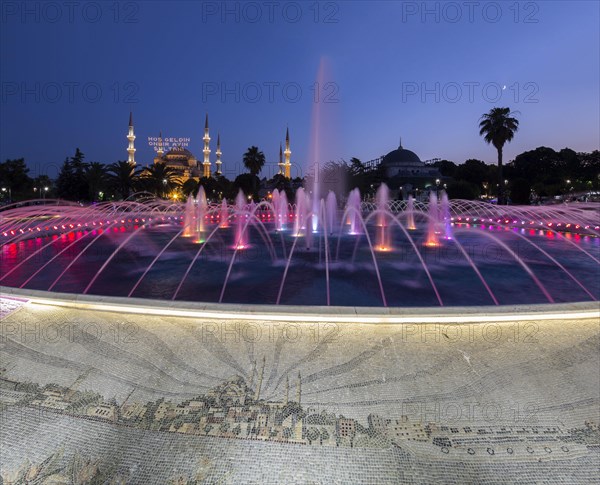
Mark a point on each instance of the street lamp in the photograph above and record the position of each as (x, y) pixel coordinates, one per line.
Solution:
(4, 189)
(45, 191)
(437, 187)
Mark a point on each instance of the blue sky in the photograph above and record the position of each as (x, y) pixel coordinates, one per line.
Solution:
(382, 70)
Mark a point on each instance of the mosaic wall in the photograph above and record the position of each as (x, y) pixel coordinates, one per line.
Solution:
(101, 397)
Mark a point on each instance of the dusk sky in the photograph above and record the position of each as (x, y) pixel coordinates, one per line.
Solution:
(383, 70)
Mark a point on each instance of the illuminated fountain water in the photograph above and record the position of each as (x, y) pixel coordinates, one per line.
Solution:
(384, 236)
(331, 210)
(410, 214)
(224, 215)
(445, 216)
(502, 255)
(241, 216)
(353, 211)
(433, 222)
(201, 209)
(189, 216)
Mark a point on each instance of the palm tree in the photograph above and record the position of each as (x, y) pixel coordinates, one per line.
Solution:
(254, 160)
(498, 127)
(160, 179)
(95, 176)
(123, 178)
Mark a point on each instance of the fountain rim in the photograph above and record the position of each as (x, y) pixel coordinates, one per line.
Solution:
(310, 314)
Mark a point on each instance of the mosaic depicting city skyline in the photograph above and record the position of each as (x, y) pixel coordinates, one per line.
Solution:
(299, 242)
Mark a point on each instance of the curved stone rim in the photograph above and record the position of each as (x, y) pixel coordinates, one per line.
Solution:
(311, 314)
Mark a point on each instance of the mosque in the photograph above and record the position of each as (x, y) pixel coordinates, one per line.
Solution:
(187, 165)
(405, 173)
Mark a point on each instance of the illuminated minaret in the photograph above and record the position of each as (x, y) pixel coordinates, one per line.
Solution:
(259, 383)
(160, 152)
(206, 151)
(131, 138)
(218, 153)
(288, 153)
(280, 164)
(299, 389)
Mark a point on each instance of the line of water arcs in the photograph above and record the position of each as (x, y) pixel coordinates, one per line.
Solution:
(316, 225)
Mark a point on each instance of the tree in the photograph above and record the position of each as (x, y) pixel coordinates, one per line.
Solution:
(312, 435)
(14, 179)
(446, 168)
(248, 183)
(498, 127)
(473, 171)
(254, 160)
(211, 187)
(95, 174)
(122, 178)
(40, 184)
(190, 187)
(71, 183)
(461, 189)
(159, 179)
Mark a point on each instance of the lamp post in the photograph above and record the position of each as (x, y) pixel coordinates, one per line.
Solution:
(44, 193)
(9, 190)
(437, 187)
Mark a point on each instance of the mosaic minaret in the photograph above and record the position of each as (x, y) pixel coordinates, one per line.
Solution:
(299, 389)
(259, 383)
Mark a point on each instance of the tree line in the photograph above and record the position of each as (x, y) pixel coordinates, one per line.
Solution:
(531, 176)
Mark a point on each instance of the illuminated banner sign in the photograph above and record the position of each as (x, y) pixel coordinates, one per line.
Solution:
(169, 142)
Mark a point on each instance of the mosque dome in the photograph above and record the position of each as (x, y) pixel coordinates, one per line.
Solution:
(178, 153)
(401, 156)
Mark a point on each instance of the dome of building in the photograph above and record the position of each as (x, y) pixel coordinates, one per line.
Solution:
(178, 153)
(401, 156)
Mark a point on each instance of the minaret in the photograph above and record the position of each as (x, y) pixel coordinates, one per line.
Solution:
(288, 153)
(160, 152)
(218, 153)
(287, 390)
(131, 138)
(252, 374)
(259, 383)
(206, 151)
(299, 389)
(280, 164)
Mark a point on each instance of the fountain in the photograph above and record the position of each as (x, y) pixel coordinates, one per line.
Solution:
(353, 211)
(240, 241)
(386, 252)
(433, 222)
(384, 239)
(410, 216)
(445, 214)
(224, 215)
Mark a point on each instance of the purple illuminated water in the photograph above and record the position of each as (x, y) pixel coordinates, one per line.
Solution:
(362, 254)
